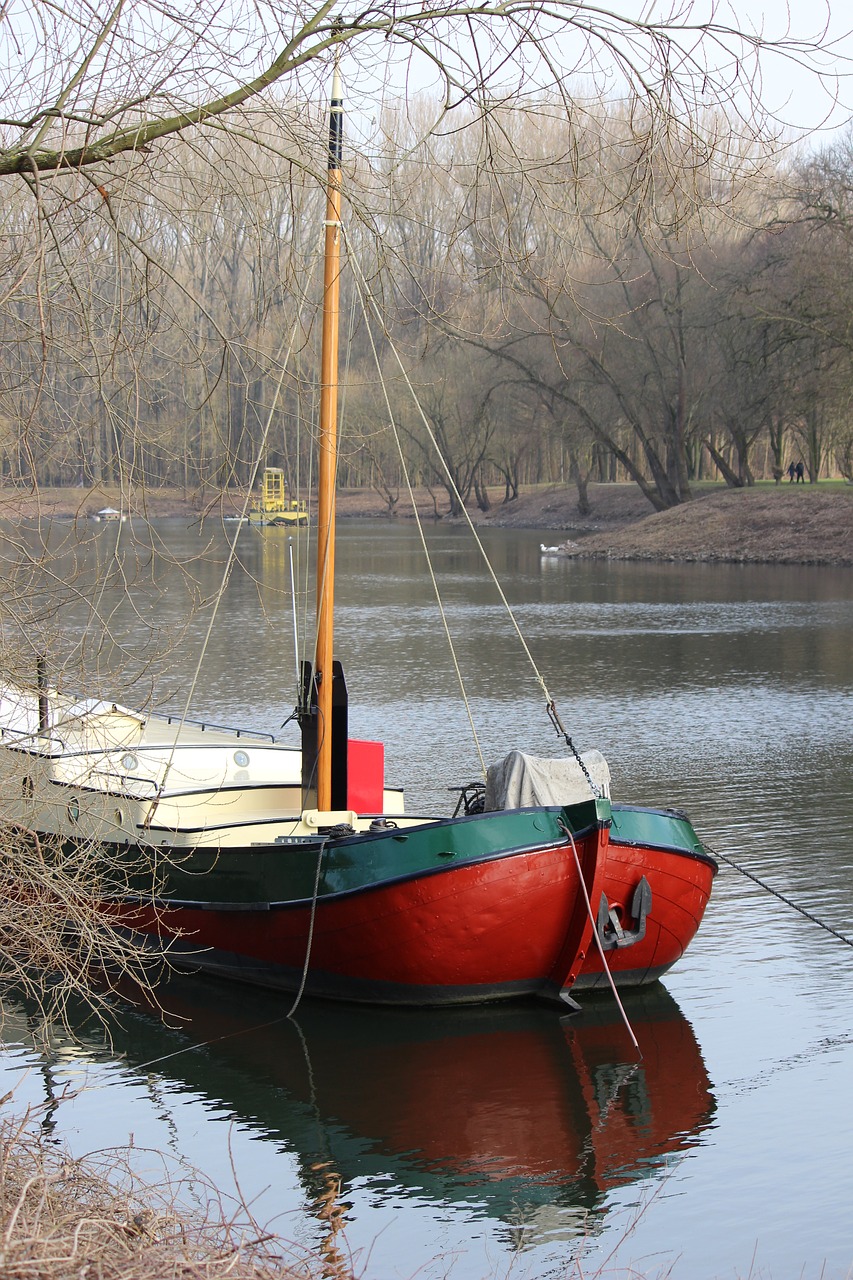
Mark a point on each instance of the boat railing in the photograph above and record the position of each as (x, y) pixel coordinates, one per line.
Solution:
(53, 747)
(34, 736)
(153, 785)
(170, 718)
(166, 717)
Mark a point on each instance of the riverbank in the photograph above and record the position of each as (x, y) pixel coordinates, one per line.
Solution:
(737, 526)
(775, 524)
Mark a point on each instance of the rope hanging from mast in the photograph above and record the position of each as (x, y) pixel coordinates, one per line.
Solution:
(226, 575)
(550, 704)
(361, 286)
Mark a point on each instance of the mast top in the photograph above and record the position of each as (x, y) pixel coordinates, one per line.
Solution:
(336, 121)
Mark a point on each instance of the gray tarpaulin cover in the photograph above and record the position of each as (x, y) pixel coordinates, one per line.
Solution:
(521, 781)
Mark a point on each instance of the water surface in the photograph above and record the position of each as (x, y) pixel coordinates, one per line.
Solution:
(477, 1141)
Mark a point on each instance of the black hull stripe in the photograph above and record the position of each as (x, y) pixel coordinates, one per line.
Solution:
(597, 983)
(331, 986)
(675, 850)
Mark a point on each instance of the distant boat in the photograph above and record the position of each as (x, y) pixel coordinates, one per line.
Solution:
(274, 507)
(108, 513)
(297, 868)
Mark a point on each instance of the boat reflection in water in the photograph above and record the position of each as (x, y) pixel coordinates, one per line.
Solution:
(523, 1116)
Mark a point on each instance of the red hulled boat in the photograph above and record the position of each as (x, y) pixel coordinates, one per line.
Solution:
(296, 868)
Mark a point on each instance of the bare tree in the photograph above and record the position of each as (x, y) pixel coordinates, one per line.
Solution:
(84, 84)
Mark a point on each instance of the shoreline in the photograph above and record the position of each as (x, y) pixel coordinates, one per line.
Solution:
(764, 524)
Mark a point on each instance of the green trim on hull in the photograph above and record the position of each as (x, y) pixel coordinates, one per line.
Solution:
(284, 873)
(666, 829)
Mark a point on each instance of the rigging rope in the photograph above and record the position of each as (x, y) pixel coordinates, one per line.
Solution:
(359, 281)
(374, 306)
(303, 573)
(781, 896)
(226, 574)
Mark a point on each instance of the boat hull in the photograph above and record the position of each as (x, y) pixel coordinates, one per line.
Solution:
(452, 913)
(278, 519)
(487, 907)
(660, 845)
(482, 932)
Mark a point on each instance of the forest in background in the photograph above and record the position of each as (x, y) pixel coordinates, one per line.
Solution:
(554, 297)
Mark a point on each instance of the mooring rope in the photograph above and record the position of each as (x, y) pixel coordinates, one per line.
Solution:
(795, 906)
(310, 939)
(273, 1022)
(193, 1048)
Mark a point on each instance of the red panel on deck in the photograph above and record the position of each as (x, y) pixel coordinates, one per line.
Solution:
(365, 776)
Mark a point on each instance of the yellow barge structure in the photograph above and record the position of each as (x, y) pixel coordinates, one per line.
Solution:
(274, 507)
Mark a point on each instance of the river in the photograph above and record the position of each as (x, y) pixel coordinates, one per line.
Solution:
(477, 1141)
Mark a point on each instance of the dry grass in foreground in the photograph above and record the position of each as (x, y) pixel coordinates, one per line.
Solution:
(95, 1219)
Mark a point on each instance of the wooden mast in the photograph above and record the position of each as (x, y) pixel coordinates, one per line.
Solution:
(328, 452)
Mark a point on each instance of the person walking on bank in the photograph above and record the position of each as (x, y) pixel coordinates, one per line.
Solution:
(801, 473)
(792, 471)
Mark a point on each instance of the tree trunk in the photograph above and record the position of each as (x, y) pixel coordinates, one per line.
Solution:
(731, 477)
(581, 481)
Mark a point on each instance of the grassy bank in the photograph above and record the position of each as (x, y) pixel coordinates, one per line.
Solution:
(784, 525)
